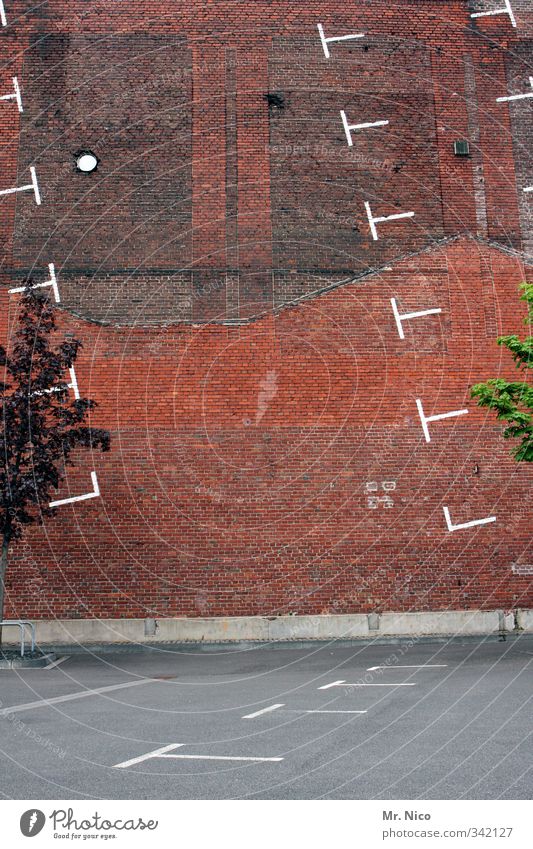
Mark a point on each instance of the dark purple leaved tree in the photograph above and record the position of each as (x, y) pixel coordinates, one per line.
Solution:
(41, 423)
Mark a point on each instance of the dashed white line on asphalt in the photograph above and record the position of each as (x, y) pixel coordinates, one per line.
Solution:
(262, 711)
(334, 684)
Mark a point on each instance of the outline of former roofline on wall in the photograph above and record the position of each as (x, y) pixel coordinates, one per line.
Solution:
(374, 271)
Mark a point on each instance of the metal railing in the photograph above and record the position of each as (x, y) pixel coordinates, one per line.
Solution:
(22, 624)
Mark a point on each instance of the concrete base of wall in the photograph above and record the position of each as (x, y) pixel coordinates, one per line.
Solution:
(281, 628)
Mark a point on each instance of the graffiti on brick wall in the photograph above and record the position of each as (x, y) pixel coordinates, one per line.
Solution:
(375, 497)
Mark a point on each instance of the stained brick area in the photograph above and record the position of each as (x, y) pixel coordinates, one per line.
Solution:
(127, 99)
(320, 183)
(235, 309)
(225, 181)
(281, 466)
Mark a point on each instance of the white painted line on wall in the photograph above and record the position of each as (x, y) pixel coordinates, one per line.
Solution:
(52, 282)
(334, 684)
(507, 10)
(325, 41)
(33, 185)
(155, 754)
(406, 316)
(452, 527)
(516, 96)
(349, 127)
(425, 419)
(74, 383)
(94, 494)
(15, 96)
(373, 221)
(71, 697)
(414, 666)
(3, 18)
(261, 712)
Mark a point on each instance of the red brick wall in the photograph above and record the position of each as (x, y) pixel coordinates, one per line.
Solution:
(245, 457)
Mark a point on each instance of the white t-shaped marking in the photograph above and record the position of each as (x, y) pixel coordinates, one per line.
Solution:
(33, 185)
(425, 419)
(400, 318)
(349, 127)
(517, 96)
(452, 527)
(507, 10)
(325, 41)
(52, 282)
(373, 221)
(94, 494)
(15, 96)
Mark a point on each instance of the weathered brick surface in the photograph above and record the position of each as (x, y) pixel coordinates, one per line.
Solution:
(246, 460)
(277, 465)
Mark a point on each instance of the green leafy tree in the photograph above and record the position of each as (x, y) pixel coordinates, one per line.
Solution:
(513, 400)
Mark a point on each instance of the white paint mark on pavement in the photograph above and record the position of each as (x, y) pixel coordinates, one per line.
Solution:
(262, 711)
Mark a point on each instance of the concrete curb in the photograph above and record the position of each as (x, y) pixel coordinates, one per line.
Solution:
(28, 662)
(261, 629)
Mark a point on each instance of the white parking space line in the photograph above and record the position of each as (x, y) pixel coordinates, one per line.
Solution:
(335, 711)
(262, 711)
(346, 684)
(57, 662)
(218, 758)
(163, 753)
(419, 666)
(155, 754)
(83, 694)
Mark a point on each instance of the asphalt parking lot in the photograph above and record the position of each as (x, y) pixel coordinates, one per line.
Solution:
(429, 720)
